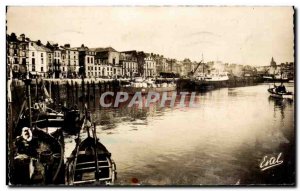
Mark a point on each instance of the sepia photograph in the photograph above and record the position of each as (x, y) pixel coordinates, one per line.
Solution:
(150, 96)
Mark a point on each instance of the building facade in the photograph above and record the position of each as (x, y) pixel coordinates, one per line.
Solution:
(86, 62)
(17, 54)
(150, 66)
(108, 60)
(37, 64)
(129, 64)
(70, 60)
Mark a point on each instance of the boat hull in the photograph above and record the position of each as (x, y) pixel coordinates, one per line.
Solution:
(29, 167)
(82, 167)
(273, 94)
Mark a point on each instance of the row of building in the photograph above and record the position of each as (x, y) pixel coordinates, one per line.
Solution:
(54, 61)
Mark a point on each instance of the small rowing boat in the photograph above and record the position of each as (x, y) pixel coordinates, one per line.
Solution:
(280, 92)
(90, 163)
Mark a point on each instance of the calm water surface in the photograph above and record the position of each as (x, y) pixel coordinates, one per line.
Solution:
(222, 141)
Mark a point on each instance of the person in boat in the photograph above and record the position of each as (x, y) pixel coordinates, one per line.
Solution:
(26, 144)
(25, 158)
(280, 89)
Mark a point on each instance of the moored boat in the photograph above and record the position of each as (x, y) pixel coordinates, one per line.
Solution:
(280, 92)
(90, 163)
(37, 155)
(38, 158)
(214, 77)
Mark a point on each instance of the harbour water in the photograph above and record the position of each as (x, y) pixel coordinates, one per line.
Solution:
(221, 141)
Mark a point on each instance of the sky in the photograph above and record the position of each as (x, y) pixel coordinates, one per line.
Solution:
(242, 35)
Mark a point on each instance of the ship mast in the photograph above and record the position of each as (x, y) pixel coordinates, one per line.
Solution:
(27, 84)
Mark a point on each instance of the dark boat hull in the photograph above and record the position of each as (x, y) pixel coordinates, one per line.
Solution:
(29, 167)
(273, 93)
(82, 167)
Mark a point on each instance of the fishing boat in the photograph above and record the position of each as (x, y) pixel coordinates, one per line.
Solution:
(38, 156)
(90, 163)
(49, 120)
(280, 92)
(38, 159)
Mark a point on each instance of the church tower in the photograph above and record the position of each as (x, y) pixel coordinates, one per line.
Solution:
(273, 63)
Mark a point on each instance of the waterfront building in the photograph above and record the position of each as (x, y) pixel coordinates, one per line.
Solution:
(37, 64)
(50, 61)
(150, 66)
(187, 67)
(161, 64)
(129, 63)
(86, 61)
(57, 69)
(171, 65)
(108, 60)
(179, 68)
(70, 60)
(17, 54)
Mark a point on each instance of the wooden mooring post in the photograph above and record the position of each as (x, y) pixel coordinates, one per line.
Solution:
(94, 93)
(76, 92)
(88, 94)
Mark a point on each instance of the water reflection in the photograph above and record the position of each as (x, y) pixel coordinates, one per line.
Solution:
(222, 141)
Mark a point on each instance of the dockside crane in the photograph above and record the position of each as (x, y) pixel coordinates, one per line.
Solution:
(192, 73)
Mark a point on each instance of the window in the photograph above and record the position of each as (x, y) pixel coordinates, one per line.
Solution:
(33, 61)
(42, 55)
(42, 61)
(92, 60)
(33, 54)
(88, 59)
(114, 61)
(42, 69)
